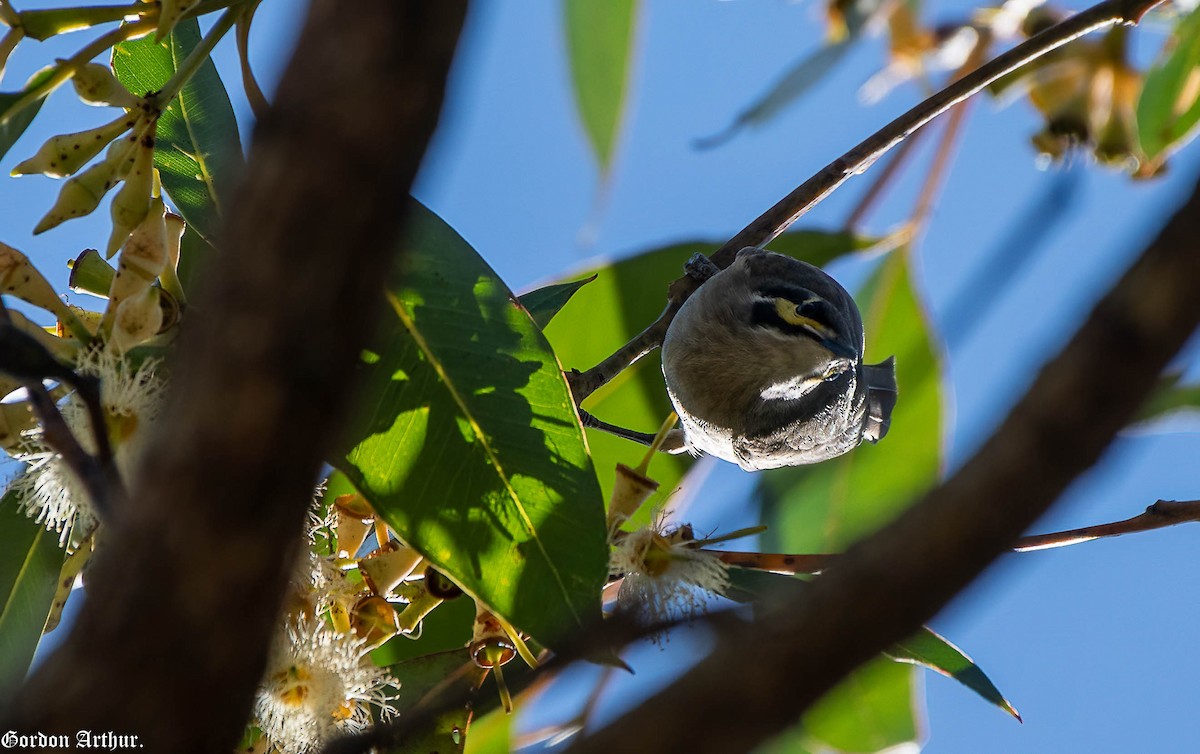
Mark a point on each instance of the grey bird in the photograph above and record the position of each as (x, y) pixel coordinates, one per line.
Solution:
(764, 365)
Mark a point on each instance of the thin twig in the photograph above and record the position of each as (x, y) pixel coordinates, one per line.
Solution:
(1160, 515)
(32, 363)
(808, 194)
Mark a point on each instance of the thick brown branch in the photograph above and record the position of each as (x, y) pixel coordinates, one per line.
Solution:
(887, 586)
(808, 194)
(188, 581)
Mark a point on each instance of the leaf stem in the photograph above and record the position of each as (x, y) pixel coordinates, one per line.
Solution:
(68, 68)
(196, 58)
(808, 194)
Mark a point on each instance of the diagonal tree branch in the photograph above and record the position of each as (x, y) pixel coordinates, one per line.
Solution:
(174, 624)
(807, 195)
(759, 680)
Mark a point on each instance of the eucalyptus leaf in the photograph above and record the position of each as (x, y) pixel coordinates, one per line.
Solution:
(420, 678)
(791, 85)
(467, 442)
(928, 649)
(198, 150)
(1169, 106)
(30, 561)
(13, 120)
(1170, 397)
(490, 734)
(600, 44)
(543, 303)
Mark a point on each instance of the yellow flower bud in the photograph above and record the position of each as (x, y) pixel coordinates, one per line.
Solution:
(62, 155)
(96, 85)
(138, 319)
(79, 196)
(132, 203)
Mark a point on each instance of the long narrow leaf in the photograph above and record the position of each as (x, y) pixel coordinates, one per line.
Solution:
(600, 47)
(198, 150)
(30, 560)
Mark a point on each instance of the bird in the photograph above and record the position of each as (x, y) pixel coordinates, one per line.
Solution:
(764, 365)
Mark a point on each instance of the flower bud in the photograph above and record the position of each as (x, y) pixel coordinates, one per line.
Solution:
(138, 319)
(62, 155)
(96, 85)
(132, 203)
(79, 196)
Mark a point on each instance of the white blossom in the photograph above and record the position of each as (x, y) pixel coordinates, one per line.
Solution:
(319, 683)
(47, 490)
(665, 575)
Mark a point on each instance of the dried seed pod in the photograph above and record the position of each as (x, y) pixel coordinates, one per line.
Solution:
(384, 569)
(354, 519)
(439, 584)
(63, 155)
(374, 620)
(630, 490)
(96, 85)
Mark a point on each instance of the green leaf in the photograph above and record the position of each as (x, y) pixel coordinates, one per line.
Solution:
(823, 508)
(627, 296)
(600, 43)
(13, 122)
(543, 303)
(30, 561)
(43, 24)
(1169, 397)
(871, 710)
(793, 84)
(932, 651)
(422, 676)
(467, 441)
(198, 149)
(1169, 106)
(490, 734)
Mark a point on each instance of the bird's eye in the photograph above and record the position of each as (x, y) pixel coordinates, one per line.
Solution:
(794, 314)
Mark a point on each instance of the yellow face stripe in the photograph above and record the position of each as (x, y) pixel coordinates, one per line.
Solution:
(789, 312)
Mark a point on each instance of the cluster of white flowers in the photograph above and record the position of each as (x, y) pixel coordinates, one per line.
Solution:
(47, 490)
(665, 575)
(319, 683)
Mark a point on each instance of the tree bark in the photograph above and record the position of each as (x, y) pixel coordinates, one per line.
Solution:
(187, 583)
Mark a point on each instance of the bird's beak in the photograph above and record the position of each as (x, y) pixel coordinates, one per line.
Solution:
(840, 349)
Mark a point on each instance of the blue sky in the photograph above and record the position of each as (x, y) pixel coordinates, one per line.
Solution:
(1095, 643)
